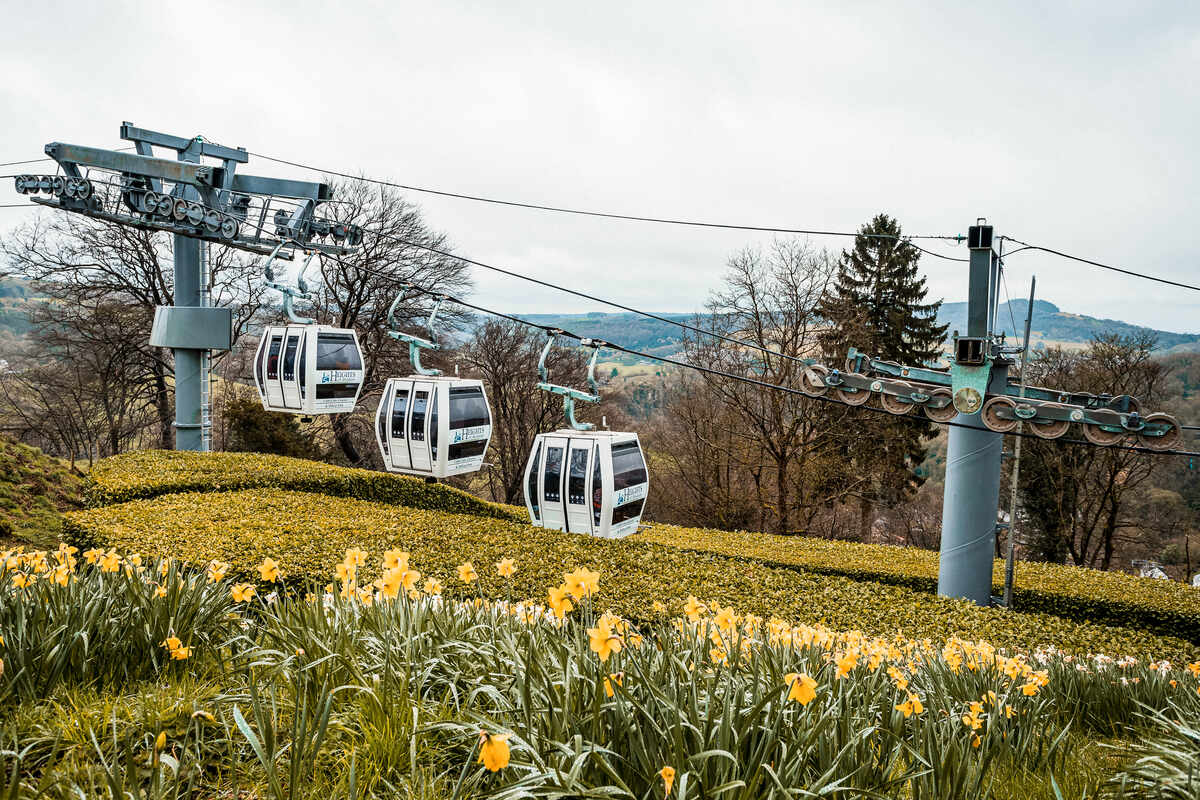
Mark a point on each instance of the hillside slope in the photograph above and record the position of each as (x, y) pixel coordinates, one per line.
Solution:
(34, 490)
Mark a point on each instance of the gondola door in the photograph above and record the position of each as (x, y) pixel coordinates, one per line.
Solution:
(578, 470)
(418, 426)
(274, 390)
(398, 425)
(553, 507)
(289, 384)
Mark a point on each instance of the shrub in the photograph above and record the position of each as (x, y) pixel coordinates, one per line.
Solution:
(1085, 595)
(150, 473)
(306, 533)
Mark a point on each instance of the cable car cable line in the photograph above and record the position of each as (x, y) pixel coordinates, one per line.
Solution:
(723, 374)
(586, 213)
(1155, 278)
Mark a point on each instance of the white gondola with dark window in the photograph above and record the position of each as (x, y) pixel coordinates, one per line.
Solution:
(429, 424)
(305, 368)
(582, 480)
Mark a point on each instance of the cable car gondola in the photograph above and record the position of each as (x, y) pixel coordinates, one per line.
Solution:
(305, 368)
(427, 424)
(581, 480)
(587, 482)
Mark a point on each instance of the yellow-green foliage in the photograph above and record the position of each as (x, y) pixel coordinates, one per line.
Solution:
(306, 533)
(150, 473)
(1089, 595)
(34, 488)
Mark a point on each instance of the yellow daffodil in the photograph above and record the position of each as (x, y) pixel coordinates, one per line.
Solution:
(62, 574)
(409, 578)
(160, 591)
(216, 571)
(615, 677)
(242, 592)
(911, 706)
(668, 776)
(110, 561)
(560, 601)
(694, 608)
(391, 584)
(1029, 689)
(172, 643)
(725, 619)
(467, 573)
(433, 586)
(845, 663)
(20, 580)
(976, 741)
(581, 582)
(493, 751)
(268, 570)
(1194, 668)
(181, 653)
(164, 567)
(506, 567)
(801, 687)
(160, 742)
(355, 557)
(603, 641)
(395, 559)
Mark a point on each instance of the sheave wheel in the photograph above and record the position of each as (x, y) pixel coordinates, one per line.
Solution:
(853, 397)
(1168, 440)
(946, 413)
(894, 405)
(993, 420)
(1049, 429)
(812, 380)
(1097, 435)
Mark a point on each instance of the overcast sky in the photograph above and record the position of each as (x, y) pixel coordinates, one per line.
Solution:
(1074, 125)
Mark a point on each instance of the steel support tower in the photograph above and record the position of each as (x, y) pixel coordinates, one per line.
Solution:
(972, 492)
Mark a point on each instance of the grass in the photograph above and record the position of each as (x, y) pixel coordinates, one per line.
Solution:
(307, 532)
(1166, 607)
(34, 491)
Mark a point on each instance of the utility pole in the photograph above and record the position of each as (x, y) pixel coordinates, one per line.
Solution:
(972, 493)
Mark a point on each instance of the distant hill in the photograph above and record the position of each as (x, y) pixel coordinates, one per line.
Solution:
(1051, 326)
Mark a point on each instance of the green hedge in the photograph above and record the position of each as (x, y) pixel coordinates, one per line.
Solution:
(151, 473)
(308, 533)
(1086, 595)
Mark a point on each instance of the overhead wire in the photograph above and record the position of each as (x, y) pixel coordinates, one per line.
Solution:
(588, 213)
(722, 373)
(1109, 267)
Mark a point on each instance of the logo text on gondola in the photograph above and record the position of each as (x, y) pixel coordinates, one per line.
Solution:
(630, 494)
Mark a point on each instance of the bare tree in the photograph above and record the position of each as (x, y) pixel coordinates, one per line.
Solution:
(785, 442)
(93, 272)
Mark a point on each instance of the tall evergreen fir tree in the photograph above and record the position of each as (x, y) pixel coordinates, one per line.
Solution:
(878, 305)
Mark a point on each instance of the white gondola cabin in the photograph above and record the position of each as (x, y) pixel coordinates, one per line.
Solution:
(591, 482)
(433, 426)
(308, 369)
